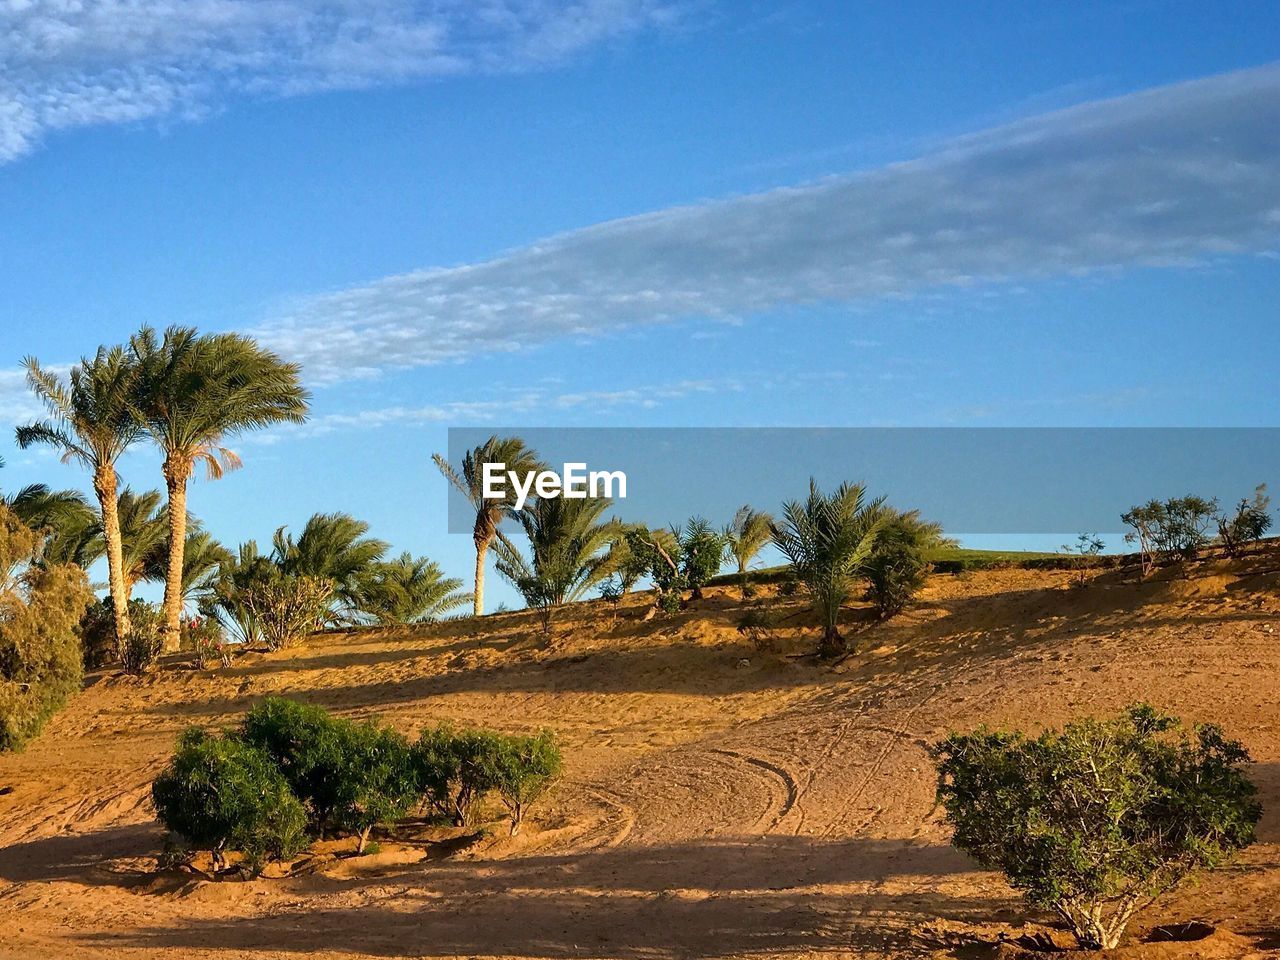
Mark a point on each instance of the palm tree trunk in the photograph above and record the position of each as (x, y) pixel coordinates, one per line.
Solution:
(104, 485)
(176, 474)
(482, 551)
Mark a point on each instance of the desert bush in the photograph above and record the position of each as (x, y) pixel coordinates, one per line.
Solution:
(222, 793)
(611, 591)
(453, 769)
(659, 553)
(205, 637)
(702, 550)
(41, 663)
(756, 625)
(898, 565)
(98, 634)
(1249, 524)
(1170, 529)
(144, 642)
(521, 770)
(1095, 820)
(351, 776)
(285, 608)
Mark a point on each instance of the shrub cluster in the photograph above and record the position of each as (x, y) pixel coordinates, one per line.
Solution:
(291, 771)
(1097, 819)
(40, 607)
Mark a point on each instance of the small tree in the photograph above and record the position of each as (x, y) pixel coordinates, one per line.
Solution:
(702, 550)
(1087, 547)
(1170, 529)
(659, 552)
(521, 770)
(144, 642)
(1097, 819)
(220, 793)
(829, 540)
(1250, 523)
(745, 537)
(611, 592)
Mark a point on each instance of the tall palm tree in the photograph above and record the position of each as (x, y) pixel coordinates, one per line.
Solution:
(144, 531)
(92, 420)
(194, 392)
(829, 540)
(469, 481)
(202, 559)
(69, 523)
(333, 547)
(747, 536)
(411, 590)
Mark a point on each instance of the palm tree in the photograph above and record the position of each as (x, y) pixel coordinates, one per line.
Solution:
(409, 590)
(202, 560)
(92, 420)
(569, 551)
(829, 540)
(144, 531)
(333, 547)
(746, 536)
(69, 523)
(195, 391)
(469, 481)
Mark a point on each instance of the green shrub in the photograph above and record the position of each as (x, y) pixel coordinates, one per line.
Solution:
(453, 769)
(1249, 524)
(351, 776)
(220, 793)
(145, 640)
(521, 770)
(41, 662)
(1170, 529)
(659, 553)
(205, 637)
(1097, 819)
(756, 625)
(702, 550)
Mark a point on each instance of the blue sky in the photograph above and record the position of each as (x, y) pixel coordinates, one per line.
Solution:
(643, 212)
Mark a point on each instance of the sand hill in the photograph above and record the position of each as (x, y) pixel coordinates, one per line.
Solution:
(721, 800)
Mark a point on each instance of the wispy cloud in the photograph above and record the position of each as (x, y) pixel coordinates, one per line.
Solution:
(1162, 177)
(543, 402)
(73, 64)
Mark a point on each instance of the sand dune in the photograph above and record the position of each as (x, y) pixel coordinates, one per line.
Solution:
(720, 800)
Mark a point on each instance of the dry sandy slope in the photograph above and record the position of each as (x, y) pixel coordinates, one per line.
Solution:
(713, 808)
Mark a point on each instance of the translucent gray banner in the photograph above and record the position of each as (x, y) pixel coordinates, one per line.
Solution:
(971, 480)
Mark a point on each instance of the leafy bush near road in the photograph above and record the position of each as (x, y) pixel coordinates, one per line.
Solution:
(222, 793)
(1095, 820)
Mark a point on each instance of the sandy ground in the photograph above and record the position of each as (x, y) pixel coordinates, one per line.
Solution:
(721, 800)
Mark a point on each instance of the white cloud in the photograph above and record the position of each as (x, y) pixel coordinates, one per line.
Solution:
(525, 402)
(73, 63)
(1162, 177)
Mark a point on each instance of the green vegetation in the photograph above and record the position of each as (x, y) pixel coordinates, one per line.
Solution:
(1097, 819)
(221, 793)
(702, 550)
(292, 771)
(748, 533)
(570, 551)
(469, 481)
(40, 606)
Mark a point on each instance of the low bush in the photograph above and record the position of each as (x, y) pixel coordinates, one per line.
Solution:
(1095, 820)
(221, 793)
(144, 642)
(521, 770)
(452, 769)
(457, 767)
(286, 608)
(351, 776)
(205, 637)
(41, 662)
(1248, 524)
(702, 550)
(1170, 529)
